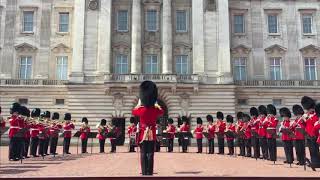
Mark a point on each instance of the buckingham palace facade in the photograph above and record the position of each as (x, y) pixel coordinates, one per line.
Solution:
(87, 57)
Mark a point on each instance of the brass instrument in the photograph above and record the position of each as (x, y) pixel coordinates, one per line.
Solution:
(147, 135)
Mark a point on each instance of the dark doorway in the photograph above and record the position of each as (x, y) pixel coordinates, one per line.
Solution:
(120, 123)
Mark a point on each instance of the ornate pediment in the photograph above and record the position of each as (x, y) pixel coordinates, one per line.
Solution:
(25, 47)
(181, 48)
(240, 49)
(61, 48)
(151, 1)
(152, 47)
(121, 44)
(310, 49)
(275, 48)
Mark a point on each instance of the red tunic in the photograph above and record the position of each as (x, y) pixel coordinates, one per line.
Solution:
(185, 128)
(116, 131)
(84, 132)
(14, 126)
(132, 130)
(239, 128)
(198, 131)
(34, 130)
(42, 131)
(263, 124)
(313, 118)
(100, 135)
(221, 126)
(285, 136)
(232, 128)
(316, 131)
(54, 130)
(171, 129)
(298, 122)
(211, 131)
(148, 117)
(254, 124)
(272, 125)
(68, 127)
(247, 131)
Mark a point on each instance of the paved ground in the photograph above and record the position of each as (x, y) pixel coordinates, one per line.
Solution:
(166, 164)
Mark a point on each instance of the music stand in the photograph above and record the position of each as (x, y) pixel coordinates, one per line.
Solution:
(77, 134)
(92, 135)
(305, 135)
(184, 135)
(166, 135)
(20, 134)
(206, 135)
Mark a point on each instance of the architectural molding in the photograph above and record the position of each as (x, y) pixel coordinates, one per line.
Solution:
(25, 47)
(275, 48)
(241, 49)
(310, 49)
(61, 47)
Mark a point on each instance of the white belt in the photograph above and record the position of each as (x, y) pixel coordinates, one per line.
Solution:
(15, 127)
(34, 129)
(271, 128)
(67, 130)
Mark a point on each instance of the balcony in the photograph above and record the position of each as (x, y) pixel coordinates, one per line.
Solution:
(282, 83)
(171, 78)
(32, 82)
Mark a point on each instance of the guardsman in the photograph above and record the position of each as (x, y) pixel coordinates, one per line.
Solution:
(2, 122)
(149, 111)
(254, 124)
(263, 131)
(241, 134)
(113, 140)
(171, 130)
(211, 134)
(54, 133)
(84, 130)
(67, 128)
(199, 134)
(47, 116)
(102, 132)
(14, 147)
(132, 133)
(286, 136)
(184, 128)
(230, 127)
(272, 123)
(299, 140)
(34, 130)
(26, 141)
(220, 128)
(315, 161)
(43, 128)
(247, 134)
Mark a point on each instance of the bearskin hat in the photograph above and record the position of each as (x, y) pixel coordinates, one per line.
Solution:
(114, 122)
(271, 109)
(229, 119)
(170, 121)
(297, 110)
(246, 117)
(262, 110)
(240, 115)
(67, 116)
(317, 109)
(254, 111)
(199, 120)
(148, 93)
(46, 114)
(209, 118)
(103, 122)
(184, 119)
(15, 107)
(35, 112)
(25, 111)
(307, 102)
(55, 116)
(220, 115)
(132, 119)
(285, 112)
(84, 119)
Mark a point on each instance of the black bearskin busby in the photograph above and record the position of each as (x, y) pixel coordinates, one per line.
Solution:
(297, 110)
(170, 121)
(25, 111)
(307, 102)
(35, 113)
(229, 119)
(67, 116)
(209, 118)
(46, 114)
(158, 121)
(285, 112)
(103, 122)
(220, 115)
(15, 107)
(262, 110)
(254, 111)
(132, 120)
(184, 119)
(317, 110)
(199, 120)
(55, 116)
(240, 115)
(148, 93)
(246, 118)
(84, 120)
(271, 109)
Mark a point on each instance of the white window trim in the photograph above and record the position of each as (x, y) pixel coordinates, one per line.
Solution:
(127, 29)
(234, 65)
(121, 55)
(278, 24)
(31, 73)
(33, 21)
(244, 23)
(313, 32)
(272, 66)
(158, 63)
(315, 66)
(157, 20)
(181, 55)
(187, 22)
(61, 32)
(58, 76)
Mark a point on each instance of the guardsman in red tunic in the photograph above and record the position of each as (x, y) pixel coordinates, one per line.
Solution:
(254, 124)
(272, 131)
(211, 133)
(247, 134)
(311, 118)
(25, 114)
(132, 133)
(241, 134)
(184, 128)
(149, 111)
(113, 140)
(102, 132)
(171, 130)
(34, 131)
(299, 140)
(42, 136)
(84, 130)
(14, 147)
(199, 134)
(315, 161)
(67, 128)
(263, 131)
(230, 127)
(47, 116)
(220, 128)
(2, 123)
(54, 133)
(286, 137)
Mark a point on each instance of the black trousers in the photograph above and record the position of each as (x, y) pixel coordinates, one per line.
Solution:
(300, 151)
(221, 145)
(247, 143)
(264, 147)
(230, 144)
(184, 143)
(147, 157)
(84, 143)
(41, 147)
(314, 152)
(199, 144)
(288, 150)
(34, 146)
(272, 147)
(256, 147)
(46, 145)
(241, 145)
(15, 148)
(170, 145)
(26, 146)
(53, 145)
(113, 145)
(131, 145)
(157, 146)
(211, 145)
(66, 145)
(101, 143)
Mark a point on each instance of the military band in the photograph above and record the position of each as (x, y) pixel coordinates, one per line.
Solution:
(84, 130)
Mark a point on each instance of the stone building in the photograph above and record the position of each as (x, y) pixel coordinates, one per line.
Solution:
(88, 57)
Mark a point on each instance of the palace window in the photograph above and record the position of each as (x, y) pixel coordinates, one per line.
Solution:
(64, 22)
(239, 68)
(273, 24)
(275, 69)
(307, 23)
(239, 23)
(152, 64)
(62, 68)
(243, 102)
(122, 20)
(310, 72)
(181, 24)
(151, 20)
(59, 102)
(277, 102)
(182, 64)
(25, 69)
(23, 101)
(122, 64)
(28, 21)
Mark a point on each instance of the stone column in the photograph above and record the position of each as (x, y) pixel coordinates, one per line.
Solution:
(198, 36)
(104, 40)
(136, 37)
(77, 42)
(166, 38)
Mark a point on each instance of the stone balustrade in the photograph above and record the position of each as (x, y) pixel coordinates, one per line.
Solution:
(24, 82)
(187, 78)
(282, 83)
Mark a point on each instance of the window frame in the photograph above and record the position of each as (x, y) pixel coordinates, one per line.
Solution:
(180, 56)
(68, 24)
(127, 25)
(23, 20)
(147, 22)
(245, 59)
(25, 57)
(309, 67)
(146, 64)
(311, 25)
(116, 63)
(60, 76)
(186, 21)
(273, 66)
(243, 23)
(277, 23)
